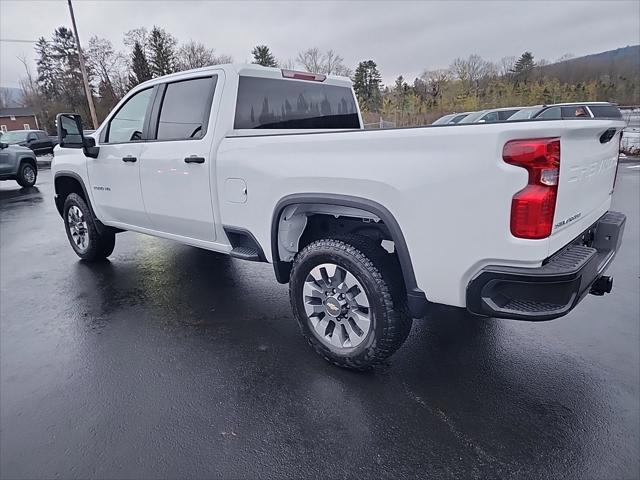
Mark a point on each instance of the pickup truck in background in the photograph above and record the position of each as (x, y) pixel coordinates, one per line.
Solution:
(18, 163)
(36, 140)
(369, 228)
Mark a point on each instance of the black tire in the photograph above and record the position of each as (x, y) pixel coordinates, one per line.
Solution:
(391, 321)
(98, 246)
(27, 175)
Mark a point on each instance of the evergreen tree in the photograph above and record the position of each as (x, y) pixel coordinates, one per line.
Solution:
(65, 55)
(139, 66)
(263, 56)
(366, 84)
(523, 67)
(401, 93)
(48, 71)
(162, 47)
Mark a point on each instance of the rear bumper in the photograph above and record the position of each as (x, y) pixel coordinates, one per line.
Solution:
(552, 290)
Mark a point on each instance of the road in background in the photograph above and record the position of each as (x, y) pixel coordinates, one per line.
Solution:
(169, 361)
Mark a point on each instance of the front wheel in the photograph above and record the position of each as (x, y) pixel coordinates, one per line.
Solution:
(27, 175)
(82, 232)
(341, 297)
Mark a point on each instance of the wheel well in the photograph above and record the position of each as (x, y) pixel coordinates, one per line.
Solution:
(302, 218)
(65, 185)
(28, 160)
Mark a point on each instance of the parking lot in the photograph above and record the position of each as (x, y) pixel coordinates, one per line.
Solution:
(170, 361)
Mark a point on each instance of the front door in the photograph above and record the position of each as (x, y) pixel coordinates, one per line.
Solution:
(5, 165)
(175, 168)
(115, 175)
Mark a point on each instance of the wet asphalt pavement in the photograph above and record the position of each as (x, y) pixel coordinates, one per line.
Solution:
(170, 361)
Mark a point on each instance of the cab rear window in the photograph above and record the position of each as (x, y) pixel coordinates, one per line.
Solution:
(270, 103)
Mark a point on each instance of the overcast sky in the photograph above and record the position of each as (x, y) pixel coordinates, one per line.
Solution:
(401, 37)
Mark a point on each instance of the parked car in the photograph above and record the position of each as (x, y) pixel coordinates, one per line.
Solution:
(370, 228)
(444, 120)
(18, 163)
(490, 116)
(451, 119)
(36, 140)
(569, 110)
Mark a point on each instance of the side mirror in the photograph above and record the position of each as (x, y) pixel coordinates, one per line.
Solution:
(70, 134)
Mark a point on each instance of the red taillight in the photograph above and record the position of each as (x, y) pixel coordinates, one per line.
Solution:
(533, 207)
(314, 77)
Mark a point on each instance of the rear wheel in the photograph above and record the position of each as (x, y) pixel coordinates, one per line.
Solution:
(27, 175)
(82, 232)
(342, 298)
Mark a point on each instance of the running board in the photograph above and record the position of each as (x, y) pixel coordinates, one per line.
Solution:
(244, 245)
(246, 253)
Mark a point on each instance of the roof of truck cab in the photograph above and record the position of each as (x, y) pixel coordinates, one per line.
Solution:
(244, 69)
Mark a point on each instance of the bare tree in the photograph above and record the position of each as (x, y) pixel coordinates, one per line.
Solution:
(288, 64)
(140, 35)
(506, 65)
(311, 60)
(5, 97)
(31, 95)
(222, 58)
(329, 63)
(433, 84)
(109, 67)
(195, 55)
(470, 69)
(28, 83)
(333, 64)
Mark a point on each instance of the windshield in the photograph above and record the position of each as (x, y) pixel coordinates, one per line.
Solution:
(458, 118)
(14, 137)
(472, 117)
(443, 120)
(525, 113)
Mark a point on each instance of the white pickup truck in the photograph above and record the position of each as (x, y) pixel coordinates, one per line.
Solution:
(370, 228)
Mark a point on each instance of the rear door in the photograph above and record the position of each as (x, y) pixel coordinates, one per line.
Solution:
(588, 164)
(176, 165)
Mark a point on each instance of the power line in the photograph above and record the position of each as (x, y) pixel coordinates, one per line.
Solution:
(16, 40)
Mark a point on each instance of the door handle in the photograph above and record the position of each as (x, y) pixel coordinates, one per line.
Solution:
(129, 158)
(193, 159)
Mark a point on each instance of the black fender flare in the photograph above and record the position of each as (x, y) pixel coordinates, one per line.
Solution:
(101, 227)
(416, 298)
(27, 159)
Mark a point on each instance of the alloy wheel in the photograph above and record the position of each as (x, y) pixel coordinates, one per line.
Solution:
(337, 306)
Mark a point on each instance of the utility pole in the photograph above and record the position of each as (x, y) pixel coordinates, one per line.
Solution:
(85, 79)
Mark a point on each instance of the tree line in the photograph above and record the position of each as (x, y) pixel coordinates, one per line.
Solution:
(470, 83)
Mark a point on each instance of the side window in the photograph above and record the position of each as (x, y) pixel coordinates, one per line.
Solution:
(605, 111)
(551, 114)
(185, 109)
(506, 114)
(575, 112)
(42, 135)
(127, 124)
(491, 117)
(32, 136)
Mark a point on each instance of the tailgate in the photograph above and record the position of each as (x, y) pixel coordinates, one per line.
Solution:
(588, 165)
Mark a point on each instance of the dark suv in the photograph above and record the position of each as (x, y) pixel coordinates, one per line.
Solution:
(36, 140)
